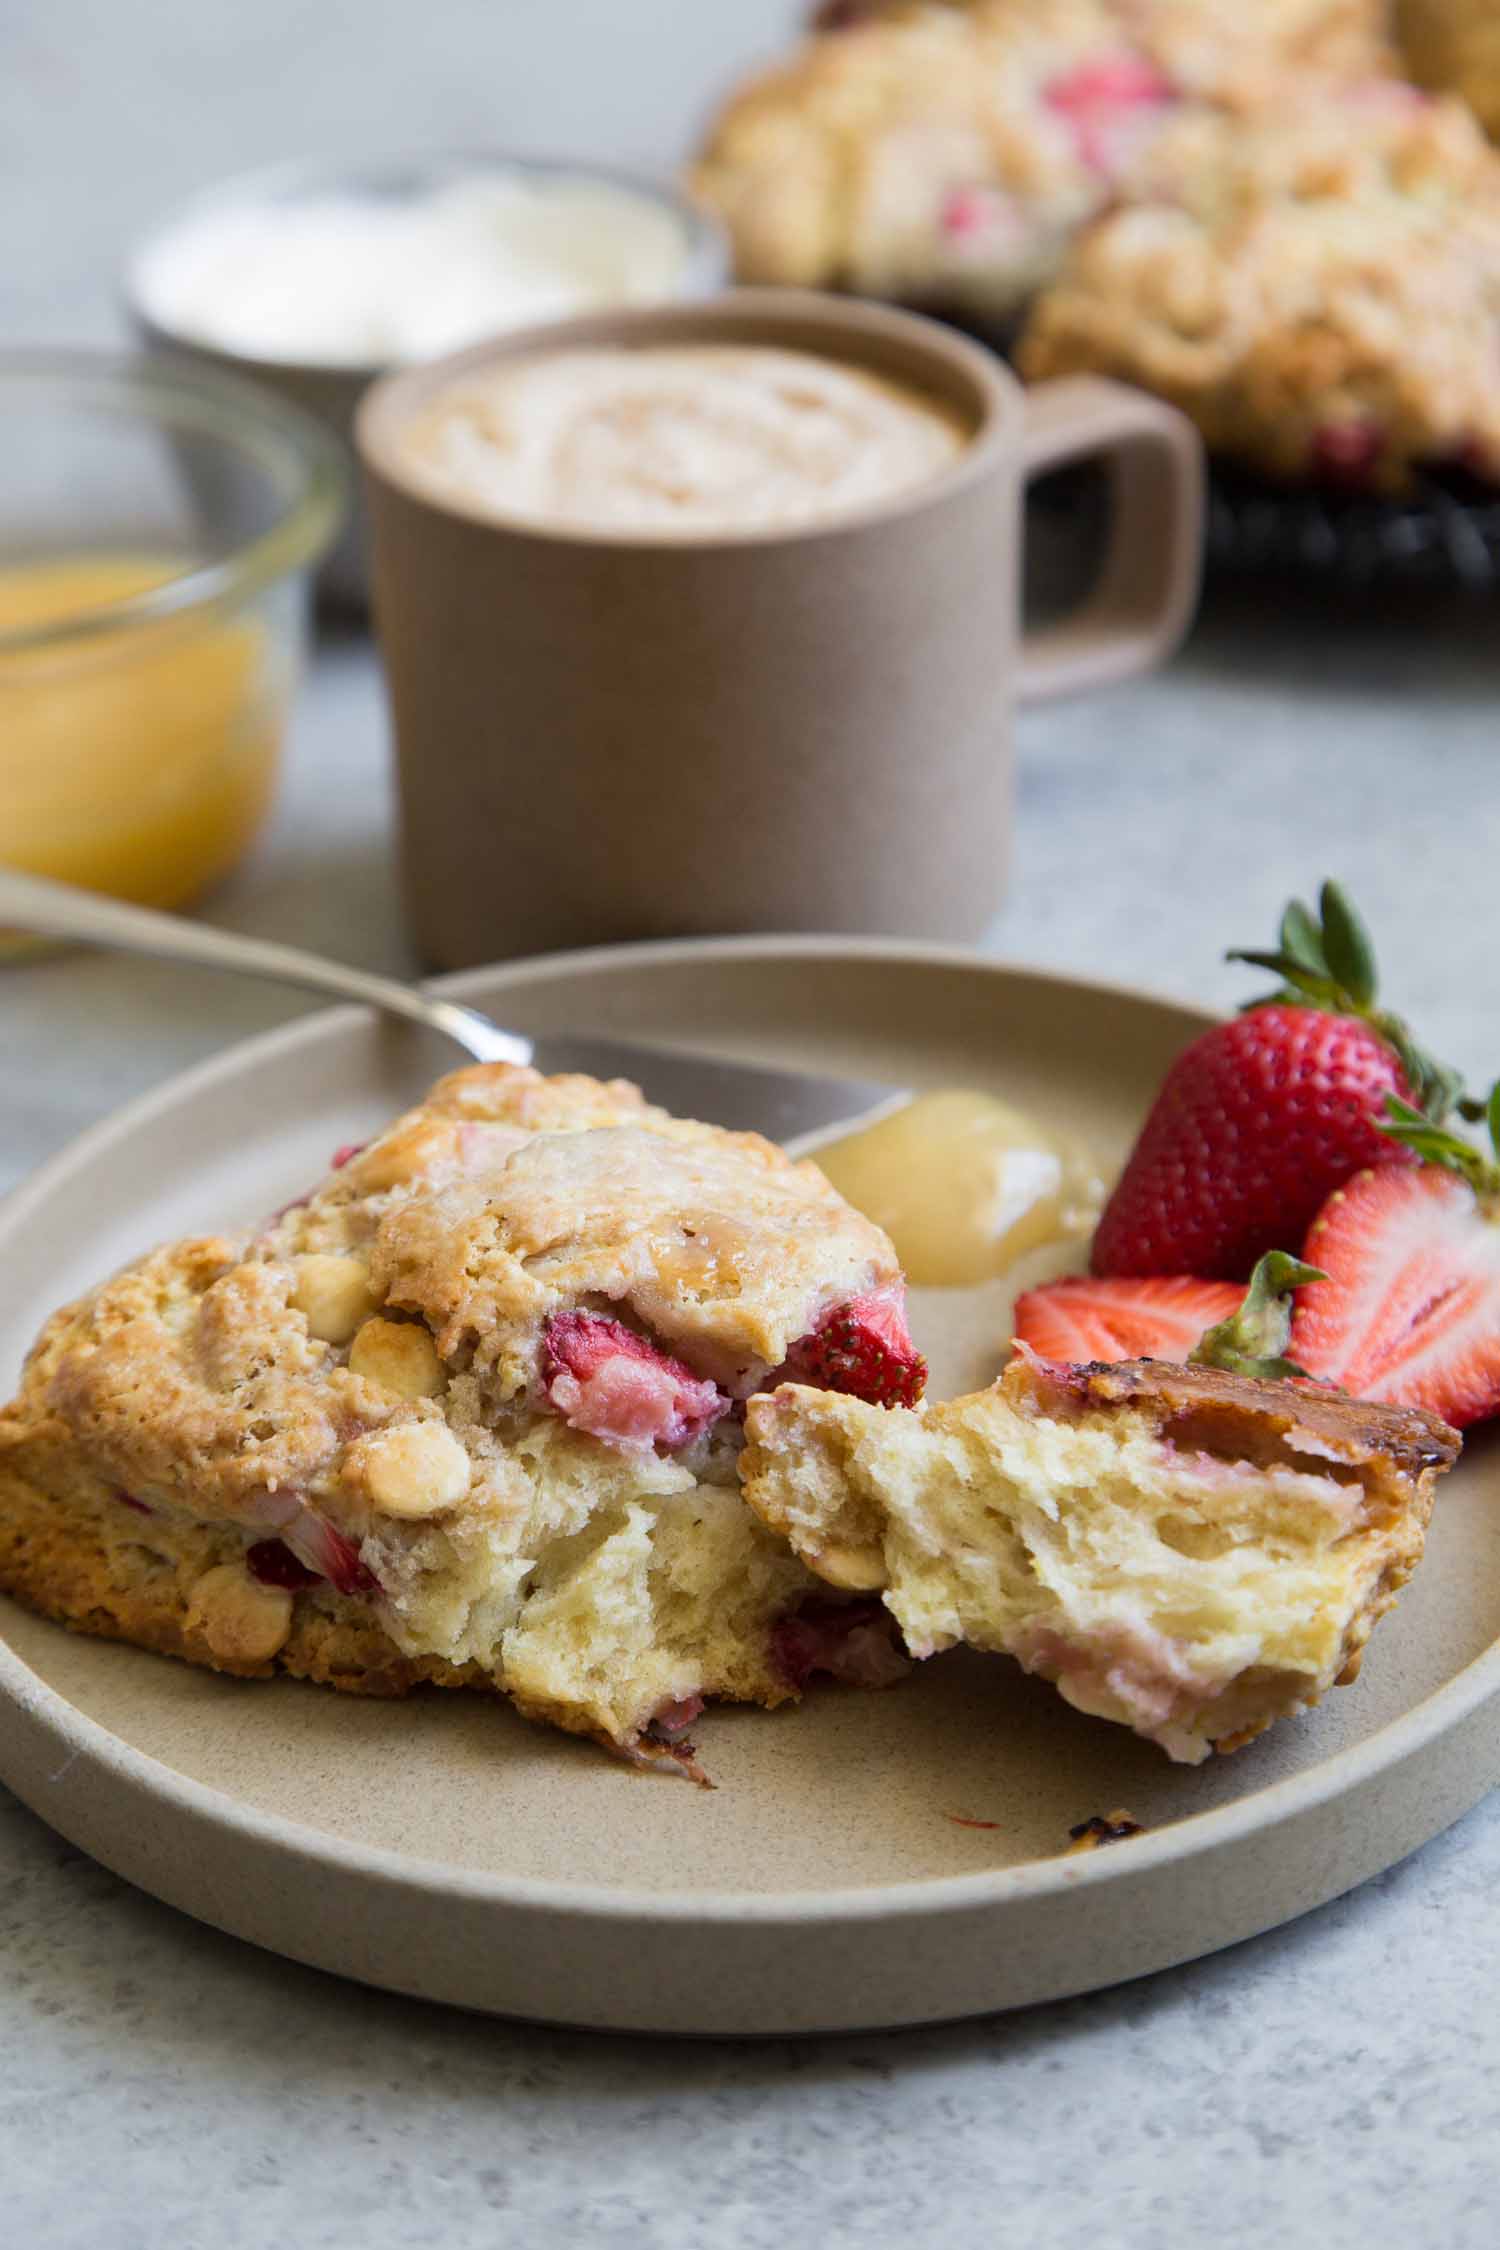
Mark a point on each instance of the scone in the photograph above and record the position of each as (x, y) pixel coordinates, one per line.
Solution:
(1219, 48)
(947, 155)
(932, 158)
(1190, 1553)
(470, 1414)
(1453, 46)
(1319, 289)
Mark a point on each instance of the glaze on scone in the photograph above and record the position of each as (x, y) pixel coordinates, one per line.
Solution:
(948, 155)
(468, 1414)
(1186, 1552)
(1318, 289)
(1453, 46)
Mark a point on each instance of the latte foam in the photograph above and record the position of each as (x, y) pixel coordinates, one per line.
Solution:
(699, 438)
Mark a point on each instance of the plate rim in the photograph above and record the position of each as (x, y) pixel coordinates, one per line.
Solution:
(79, 1736)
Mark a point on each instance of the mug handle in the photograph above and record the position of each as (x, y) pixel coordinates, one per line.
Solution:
(1147, 589)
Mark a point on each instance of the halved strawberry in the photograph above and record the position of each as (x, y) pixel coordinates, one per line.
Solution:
(1080, 1319)
(864, 1348)
(604, 1378)
(1410, 1309)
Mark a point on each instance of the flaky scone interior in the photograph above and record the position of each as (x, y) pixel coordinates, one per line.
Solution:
(1190, 1553)
(470, 1413)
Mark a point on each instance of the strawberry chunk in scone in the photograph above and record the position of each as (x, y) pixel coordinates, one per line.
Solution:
(857, 1643)
(1107, 103)
(604, 1378)
(864, 1348)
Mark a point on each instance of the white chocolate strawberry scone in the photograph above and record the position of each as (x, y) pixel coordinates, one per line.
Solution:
(1318, 287)
(1191, 1553)
(1219, 48)
(932, 158)
(948, 155)
(470, 1414)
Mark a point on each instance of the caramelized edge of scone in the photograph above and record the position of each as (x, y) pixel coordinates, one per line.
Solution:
(1237, 1418)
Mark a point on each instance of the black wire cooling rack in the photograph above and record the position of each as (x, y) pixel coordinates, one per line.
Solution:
(1444, 534)
(1442, 537)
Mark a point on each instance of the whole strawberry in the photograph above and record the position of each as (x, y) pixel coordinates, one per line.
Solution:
(1261, 1119)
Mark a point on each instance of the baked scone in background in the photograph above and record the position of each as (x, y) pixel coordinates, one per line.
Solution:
(1188, 1553)
(931, 157)
(1318, 286)
(468, 1415)
(946, 155)
(1453, 46)
(1209, 46)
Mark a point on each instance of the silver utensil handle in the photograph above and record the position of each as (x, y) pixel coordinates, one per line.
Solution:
(34, 903)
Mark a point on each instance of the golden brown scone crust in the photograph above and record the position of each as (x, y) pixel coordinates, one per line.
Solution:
(1318, 286)
(1453, 46)
(195, 1375)
(361, 1379)
(66, 1569)
(538, 1195)
(1186, 1552)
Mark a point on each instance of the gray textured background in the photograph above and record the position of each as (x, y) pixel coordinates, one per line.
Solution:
(159, 2083)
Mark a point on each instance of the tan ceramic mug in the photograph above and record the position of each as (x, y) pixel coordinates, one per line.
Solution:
(606, 734)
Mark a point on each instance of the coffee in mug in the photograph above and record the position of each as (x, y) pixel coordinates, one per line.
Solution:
(691, 437)
(705, 617)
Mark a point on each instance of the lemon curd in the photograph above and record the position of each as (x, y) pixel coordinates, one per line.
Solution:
(965, 1185)
(136, 758)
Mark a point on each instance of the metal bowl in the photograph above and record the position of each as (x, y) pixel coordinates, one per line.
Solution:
(332, 391)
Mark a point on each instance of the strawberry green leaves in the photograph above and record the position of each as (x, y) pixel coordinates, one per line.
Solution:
(1253, 1340)
(1326, 960)
(1434, 1144)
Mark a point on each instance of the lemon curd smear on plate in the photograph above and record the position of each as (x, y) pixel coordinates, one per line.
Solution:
(965, 1185)
(138, 751)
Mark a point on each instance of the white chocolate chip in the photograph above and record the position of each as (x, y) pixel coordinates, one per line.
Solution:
(858, 1570)
(415, 1470)
(334, 1294)
(399, 1356)
(242, 1621)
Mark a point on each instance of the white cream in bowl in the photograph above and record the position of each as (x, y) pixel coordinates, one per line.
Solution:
(361, 279)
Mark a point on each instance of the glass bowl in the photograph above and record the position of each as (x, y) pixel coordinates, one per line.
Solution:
(157, 529)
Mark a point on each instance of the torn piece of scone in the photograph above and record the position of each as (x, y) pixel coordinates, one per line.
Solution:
(1193, 1554)
(468, 1414)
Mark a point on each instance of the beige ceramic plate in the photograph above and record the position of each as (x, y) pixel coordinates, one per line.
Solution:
(443, 1847)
